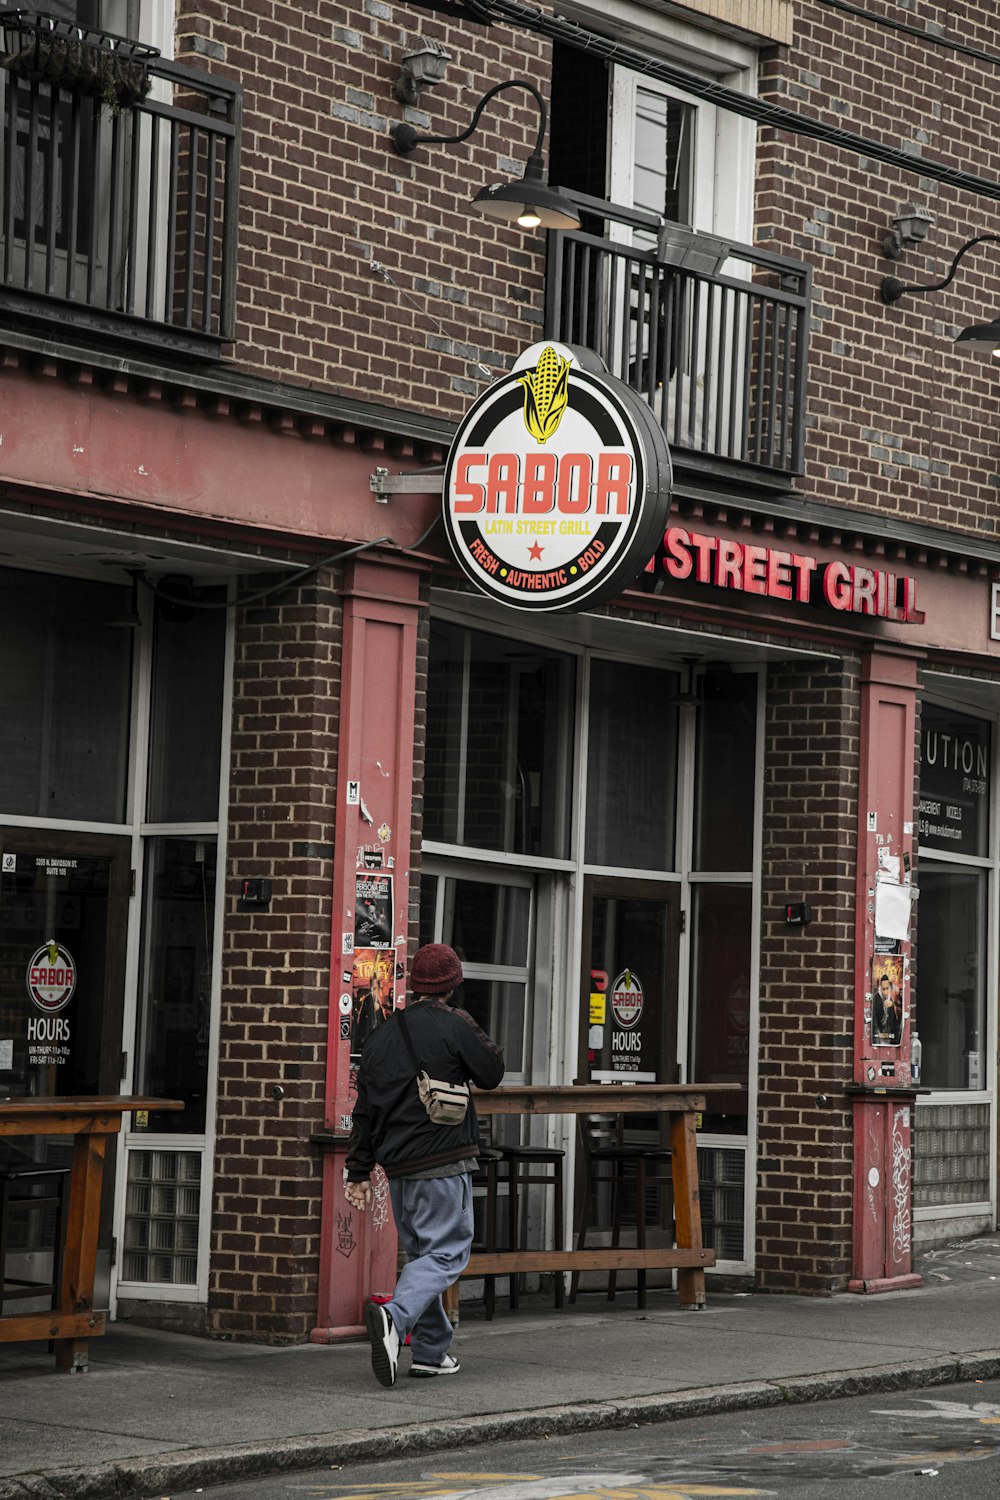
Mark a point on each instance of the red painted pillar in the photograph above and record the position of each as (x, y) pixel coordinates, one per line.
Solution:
(372, 849)
(882, 1090)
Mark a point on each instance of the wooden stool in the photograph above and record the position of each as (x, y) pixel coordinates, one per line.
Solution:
(532, 1166)
(615, 1164)
(486, 1176)
(20, 1176)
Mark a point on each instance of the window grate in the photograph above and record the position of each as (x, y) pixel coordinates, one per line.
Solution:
(161, 1217)
(721, 1181)
(951, 1154)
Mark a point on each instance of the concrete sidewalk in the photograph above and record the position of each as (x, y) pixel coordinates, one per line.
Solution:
(160, 1413)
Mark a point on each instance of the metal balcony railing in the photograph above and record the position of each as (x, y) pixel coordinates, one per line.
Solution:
(713, 335)
(118, 188)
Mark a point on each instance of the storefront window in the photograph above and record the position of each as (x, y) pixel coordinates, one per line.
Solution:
(186, 715)
(951, 990)
(488, 922)
(632, 767)
(954, 781)
(720, 986)
(65, 684)
(173, 1038)
(498, 749)
(726, 771)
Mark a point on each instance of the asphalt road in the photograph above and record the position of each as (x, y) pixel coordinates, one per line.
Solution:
(936, 1444)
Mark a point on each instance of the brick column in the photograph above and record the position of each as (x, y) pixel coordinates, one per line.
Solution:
(807, 979)
(265, 1241)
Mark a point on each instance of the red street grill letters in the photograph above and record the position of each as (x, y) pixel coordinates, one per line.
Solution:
(774, 574)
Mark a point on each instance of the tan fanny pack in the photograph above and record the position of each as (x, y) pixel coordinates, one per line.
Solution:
(445, 1103)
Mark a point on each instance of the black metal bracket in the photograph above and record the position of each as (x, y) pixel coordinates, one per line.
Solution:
(405, 139)
(892, 288)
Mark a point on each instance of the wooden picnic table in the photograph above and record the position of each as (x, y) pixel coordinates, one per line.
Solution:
(90, 1120)
(679, 1104)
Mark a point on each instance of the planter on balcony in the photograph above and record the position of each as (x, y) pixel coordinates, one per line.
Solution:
(95, 65)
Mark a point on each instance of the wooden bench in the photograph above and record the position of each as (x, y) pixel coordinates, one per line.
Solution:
(505, 1262)
(680, 1106)
(90, 1121)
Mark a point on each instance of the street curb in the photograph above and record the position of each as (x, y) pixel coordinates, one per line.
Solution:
(172, 1472)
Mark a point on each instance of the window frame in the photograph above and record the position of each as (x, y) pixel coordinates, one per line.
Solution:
(551, 1030)
(940, 693)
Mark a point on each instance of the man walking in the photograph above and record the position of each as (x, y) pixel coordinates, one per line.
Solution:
(429, 1166)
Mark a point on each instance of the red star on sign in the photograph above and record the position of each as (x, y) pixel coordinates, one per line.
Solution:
(535, 552)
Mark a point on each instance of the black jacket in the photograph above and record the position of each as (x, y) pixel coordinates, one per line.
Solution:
(390, 1124)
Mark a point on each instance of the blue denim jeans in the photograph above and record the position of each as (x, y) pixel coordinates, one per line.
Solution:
(434, 1223)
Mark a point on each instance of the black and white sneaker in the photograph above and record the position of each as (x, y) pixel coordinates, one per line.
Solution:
(384, 1340)
(448, 1366)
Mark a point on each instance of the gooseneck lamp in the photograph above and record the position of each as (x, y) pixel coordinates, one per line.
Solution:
(892, 289)
(528, 200)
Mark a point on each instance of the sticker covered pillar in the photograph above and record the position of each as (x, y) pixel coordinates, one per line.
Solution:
(370, 905)
(883, 1089)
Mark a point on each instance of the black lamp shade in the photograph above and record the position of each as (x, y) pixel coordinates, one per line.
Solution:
(510, 200)
(981, 333)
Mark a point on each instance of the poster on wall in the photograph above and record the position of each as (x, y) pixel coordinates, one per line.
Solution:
(372, 911)
(887, 1000)
(373, 992)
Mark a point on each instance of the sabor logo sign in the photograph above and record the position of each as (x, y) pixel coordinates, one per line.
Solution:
(627, 998)
(557, 486)
(51, 978)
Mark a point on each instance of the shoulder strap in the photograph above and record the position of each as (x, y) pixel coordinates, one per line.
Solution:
(401, 1017)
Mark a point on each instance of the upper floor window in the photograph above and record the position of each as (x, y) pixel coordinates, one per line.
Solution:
(660, 149)
(149, 21)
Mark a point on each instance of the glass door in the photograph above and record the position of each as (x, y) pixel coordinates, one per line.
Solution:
(63, 908)
(628, 1011)
(63, 912)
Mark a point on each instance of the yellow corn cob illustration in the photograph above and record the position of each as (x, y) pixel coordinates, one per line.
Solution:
(546, 394)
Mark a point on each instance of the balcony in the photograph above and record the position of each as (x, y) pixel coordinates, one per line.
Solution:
(119, 186)
(713, 335)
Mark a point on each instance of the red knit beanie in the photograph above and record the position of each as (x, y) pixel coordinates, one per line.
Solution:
(436, 970)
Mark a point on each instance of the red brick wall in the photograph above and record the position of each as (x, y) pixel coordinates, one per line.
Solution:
(901, 421)
(265, 1227)
(807, 979)
(324, 195)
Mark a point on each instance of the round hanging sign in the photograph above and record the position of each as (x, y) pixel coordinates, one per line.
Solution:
(626, 999)
(51, 978)
(557, 486)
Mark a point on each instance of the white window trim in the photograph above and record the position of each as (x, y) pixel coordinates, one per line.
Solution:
(204, 1142)
(690, 42)
(724, 205)
(939, 696)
